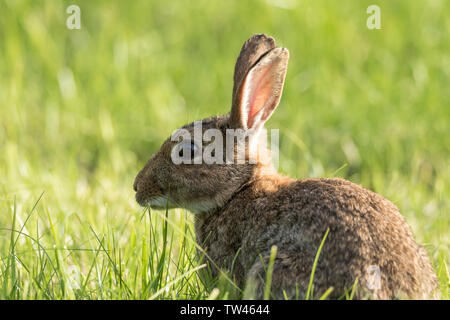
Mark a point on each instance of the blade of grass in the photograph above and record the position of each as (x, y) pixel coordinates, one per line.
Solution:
(309, 292)
(273, 254)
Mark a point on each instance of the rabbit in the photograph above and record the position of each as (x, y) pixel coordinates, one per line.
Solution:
(241, 209)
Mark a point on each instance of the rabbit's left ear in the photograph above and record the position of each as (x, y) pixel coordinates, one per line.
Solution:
(259, 92)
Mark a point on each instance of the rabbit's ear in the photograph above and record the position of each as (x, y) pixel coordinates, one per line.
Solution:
(253, 49)
(260, 90)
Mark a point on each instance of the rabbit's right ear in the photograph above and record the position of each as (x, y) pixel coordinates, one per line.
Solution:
(258, 82)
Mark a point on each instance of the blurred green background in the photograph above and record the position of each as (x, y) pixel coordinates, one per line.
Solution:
(82, 110)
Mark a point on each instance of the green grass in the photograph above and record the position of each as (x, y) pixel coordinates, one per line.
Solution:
(82, 110)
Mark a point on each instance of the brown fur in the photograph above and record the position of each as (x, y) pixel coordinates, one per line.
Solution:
(248, 208)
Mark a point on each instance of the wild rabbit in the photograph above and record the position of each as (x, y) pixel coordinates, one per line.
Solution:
(243, 208)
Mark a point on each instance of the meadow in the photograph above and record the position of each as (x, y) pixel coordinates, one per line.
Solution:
(81, 111)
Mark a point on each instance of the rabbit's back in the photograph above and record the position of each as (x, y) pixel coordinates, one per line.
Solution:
(368, 237)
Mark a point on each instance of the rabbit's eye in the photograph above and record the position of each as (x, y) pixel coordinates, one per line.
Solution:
(191, 149)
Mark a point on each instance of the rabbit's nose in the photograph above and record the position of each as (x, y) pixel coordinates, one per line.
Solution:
(135, 185)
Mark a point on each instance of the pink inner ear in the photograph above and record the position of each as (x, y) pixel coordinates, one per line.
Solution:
(260, 90)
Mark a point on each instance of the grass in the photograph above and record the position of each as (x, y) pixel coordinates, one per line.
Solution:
(82, 110)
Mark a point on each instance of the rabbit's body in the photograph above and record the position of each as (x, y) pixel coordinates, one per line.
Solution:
(244, 207)
(294, 216)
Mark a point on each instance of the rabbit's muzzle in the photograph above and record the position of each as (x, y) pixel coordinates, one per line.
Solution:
(138, 187)
(146, 187)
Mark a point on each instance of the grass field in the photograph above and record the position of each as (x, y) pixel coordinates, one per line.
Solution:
(81, 111)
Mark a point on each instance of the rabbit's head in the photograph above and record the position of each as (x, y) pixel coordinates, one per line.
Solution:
(195, 169)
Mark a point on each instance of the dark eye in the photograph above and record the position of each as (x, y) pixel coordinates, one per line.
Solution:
(193, 149)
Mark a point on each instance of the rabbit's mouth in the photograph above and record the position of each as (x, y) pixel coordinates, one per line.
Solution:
(150, 194)
(141, 199)
(156, 202)
(160, 202)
